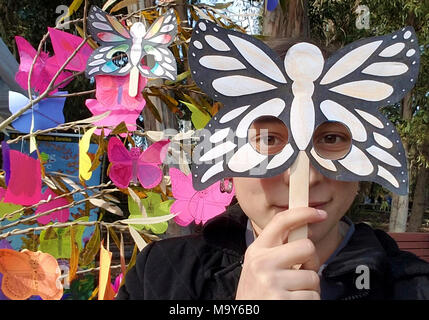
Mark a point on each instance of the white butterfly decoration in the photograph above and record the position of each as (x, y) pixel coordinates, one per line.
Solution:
(138, 50)
(303, 91)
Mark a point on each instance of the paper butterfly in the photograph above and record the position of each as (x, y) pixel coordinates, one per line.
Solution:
(303, 91)
(48, 113)
(28, 273)
(154, 207)
(124, 52)
(60, 215)
(192, 205)
(44, 69)
(112, 94)
(25, 181)
(4, 244)
(57, 241)
(64, 45)
(132, 165)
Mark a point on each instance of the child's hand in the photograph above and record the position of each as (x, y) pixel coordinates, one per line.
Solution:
(267, 268)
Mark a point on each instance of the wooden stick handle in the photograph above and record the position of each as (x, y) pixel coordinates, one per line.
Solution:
(133, 85)
(298, 190)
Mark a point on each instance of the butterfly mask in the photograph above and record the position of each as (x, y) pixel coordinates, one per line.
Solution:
(132, 52)
(275, 109)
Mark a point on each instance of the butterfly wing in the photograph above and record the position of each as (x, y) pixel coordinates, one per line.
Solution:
(356, 81)
(48, 284)
(155, 153)
(26, 56)
(149, 173)
(156, 41)
(212, 203)
(249, 79)
(114, 39)
(59, 215)
(18, 276)
(183, 193)
(25, 179)
(64, 45)
(121, 170)
(113, 91)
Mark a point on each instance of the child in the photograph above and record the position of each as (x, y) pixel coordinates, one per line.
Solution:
(328, 111)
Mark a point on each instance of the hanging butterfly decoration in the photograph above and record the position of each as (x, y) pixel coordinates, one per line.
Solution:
(29, 273)
(25, 181)
(61, 215)
(132, 52)
(64, 45)
(112, 94)
(304, 92)
(44, 69)
(48, 113)
(193, 205)
(135, 165)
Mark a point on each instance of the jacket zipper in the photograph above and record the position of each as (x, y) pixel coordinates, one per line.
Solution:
(356, 296)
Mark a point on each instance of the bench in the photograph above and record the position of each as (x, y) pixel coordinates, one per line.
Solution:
(415, 242)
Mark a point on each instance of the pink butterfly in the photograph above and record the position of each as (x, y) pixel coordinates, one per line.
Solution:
(132, 165)
(25, 182)
(60, 215)
(44, 69)
(64, 45)
(112, 94)
(195, 205)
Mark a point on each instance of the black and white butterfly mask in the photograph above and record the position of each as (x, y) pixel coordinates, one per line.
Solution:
(132, 52)
(305, 93)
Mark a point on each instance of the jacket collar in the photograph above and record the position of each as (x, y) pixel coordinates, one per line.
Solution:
(227, 231)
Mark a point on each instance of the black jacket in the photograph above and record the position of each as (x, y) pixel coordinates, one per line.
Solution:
(208, 265)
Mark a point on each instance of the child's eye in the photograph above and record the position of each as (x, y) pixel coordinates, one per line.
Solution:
(332, 140)
(268, 135)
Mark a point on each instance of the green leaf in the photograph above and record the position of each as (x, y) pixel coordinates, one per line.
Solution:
(120, 128)
(179, 78)
(199, 118)
(91, 248)
(6, 208)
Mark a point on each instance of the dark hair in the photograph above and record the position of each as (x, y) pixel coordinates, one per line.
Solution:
(282, 45)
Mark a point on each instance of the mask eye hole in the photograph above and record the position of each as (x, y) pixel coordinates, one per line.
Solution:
(148, 62)
(120, 59)
(332, 140)
(268, 135)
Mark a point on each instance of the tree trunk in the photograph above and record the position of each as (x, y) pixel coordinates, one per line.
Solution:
(292, 24)
(419, 198)
(399, 209)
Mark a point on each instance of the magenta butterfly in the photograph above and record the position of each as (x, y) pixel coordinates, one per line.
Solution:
(44, 69)
(191, 204)
(134, 165)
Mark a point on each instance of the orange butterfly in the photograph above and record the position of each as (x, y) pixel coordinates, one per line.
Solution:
(28, 273)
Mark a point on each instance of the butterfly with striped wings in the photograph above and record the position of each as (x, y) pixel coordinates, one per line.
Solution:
(303, 91)
(132, 52)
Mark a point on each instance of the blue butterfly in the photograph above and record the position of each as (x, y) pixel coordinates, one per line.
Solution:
(48, 113)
